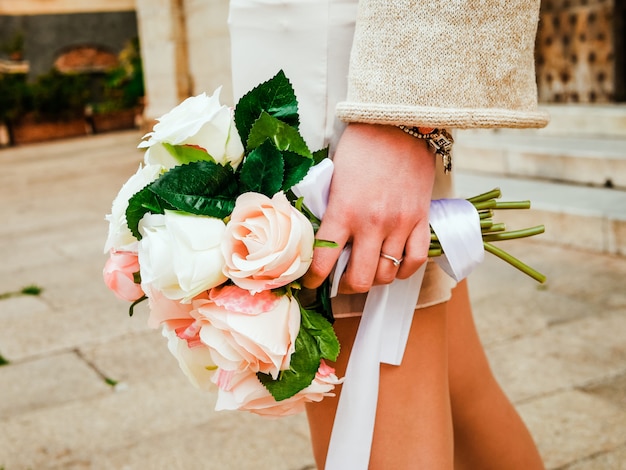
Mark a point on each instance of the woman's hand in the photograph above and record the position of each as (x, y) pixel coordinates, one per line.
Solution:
(379, 201)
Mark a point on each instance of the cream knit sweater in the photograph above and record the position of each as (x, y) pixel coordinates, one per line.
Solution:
(444, 63)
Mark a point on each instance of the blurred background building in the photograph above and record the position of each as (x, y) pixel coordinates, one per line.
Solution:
(580, 51)
(111, 64)
(78, 37)
(185, 48)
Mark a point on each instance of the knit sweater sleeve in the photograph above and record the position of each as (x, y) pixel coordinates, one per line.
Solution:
(444, 63)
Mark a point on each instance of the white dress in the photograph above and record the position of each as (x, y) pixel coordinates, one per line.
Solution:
(311, 41)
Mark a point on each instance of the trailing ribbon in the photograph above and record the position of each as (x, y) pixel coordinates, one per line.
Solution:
(384, 328)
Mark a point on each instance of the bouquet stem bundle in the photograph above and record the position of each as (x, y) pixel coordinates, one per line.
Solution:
(486, 204)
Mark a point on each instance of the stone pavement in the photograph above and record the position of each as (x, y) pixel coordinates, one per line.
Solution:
(87, 387)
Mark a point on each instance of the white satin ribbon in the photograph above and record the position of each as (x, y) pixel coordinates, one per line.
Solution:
(381, 337)
(401, 302)
(457, 225)
(354, 421)
(384, 328)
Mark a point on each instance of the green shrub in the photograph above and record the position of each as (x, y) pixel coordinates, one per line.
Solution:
(15, 96)
(123, 85)
(57, 96)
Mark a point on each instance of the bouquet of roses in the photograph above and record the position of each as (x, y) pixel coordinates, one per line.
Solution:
(209, 231)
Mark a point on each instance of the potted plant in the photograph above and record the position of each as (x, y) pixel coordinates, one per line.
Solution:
(56, 109)
(15, 101)
(123, 93)
(14, 47)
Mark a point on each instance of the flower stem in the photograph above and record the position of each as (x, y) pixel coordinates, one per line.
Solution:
(485, 204)
(493, 194)
(482, 205)
(512, 205)
(527, 232)
(494, 228)
(131, 309)
(432, 252)
(513, 261)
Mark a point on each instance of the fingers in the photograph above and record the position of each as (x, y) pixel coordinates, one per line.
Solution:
(367, 265)
(390, 259)
(415, 251)
(383, 267)
(324, 259)
(378, 201)
(360, 276)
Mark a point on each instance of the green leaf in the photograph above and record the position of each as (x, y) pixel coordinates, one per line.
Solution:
(320, 155)
(140, 204)
(324, 306)
(263, 170)
(282, 135)
(187, 153)
(305, 362)
(296, 168)
(322, 332)
(201, 187)
(316, 340)
(321, 304)
(275, 96)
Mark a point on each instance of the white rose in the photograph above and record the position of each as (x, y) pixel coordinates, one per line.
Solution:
(180, 254)
(120, 238)
(196, 362)
(199, 121)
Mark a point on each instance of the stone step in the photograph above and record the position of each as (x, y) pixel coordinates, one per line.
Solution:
(574, 120)
(583, 159)
(577, 216)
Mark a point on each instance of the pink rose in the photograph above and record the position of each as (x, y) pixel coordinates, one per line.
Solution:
(248, 332)
(244, 391)
(171, 312)
(268, 243)
(119, 273)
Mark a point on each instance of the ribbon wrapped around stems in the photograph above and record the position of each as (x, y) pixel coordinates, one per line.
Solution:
(387, 316)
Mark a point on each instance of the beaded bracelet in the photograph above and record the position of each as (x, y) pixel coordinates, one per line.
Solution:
(439, 139)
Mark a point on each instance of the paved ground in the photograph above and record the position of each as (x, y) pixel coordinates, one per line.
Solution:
(559, 350)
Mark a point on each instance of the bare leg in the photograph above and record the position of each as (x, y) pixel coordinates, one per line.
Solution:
(488, 432)
(413, 422)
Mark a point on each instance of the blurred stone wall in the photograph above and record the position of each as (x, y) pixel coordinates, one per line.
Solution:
(47, 36)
